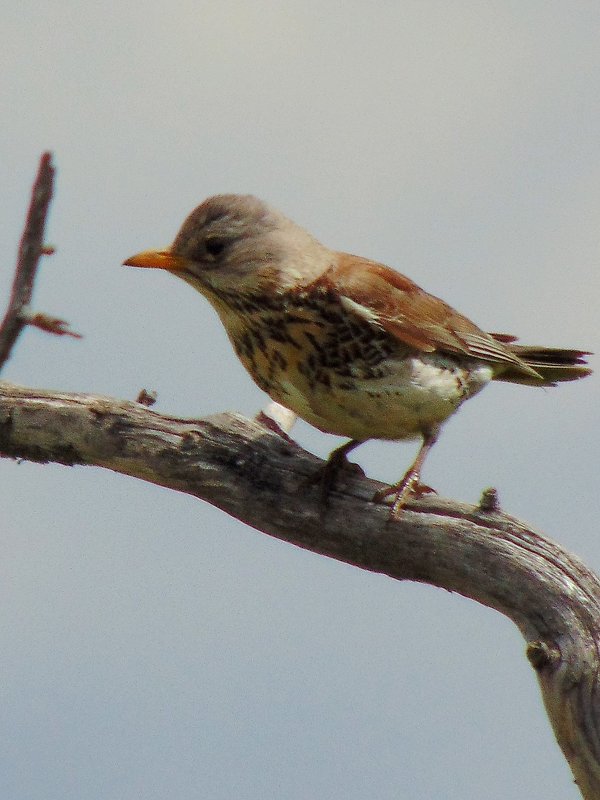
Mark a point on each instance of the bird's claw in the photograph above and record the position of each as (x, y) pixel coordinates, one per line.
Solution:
(401, 492)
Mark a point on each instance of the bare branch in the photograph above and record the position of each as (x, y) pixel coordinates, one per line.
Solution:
(18, 313)
(261, 478)
(30, 250)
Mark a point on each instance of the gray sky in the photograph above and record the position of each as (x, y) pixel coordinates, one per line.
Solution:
(149, 645)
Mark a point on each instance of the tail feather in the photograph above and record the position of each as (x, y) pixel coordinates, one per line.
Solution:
(552, 364)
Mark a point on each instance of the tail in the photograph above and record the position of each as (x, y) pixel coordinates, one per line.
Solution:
(551, 364)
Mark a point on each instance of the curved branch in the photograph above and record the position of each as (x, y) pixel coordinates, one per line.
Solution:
(260, 477)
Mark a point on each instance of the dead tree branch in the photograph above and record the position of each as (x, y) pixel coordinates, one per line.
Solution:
(261, 478)
(32, 247)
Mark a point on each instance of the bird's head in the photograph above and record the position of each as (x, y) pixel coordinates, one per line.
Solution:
(237, 243)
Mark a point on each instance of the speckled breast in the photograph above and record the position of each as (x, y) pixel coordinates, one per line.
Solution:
(341, 373)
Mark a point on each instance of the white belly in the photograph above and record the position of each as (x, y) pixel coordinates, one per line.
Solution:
(413, 394)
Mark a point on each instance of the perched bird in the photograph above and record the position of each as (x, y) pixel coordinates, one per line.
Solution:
(351, 346)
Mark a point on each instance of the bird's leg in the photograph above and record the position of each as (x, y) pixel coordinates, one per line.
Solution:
(327, 474)
(410, 484)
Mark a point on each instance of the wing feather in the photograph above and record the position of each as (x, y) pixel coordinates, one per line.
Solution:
(413, 316)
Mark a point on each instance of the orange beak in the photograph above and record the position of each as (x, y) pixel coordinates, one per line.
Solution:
(157, 259)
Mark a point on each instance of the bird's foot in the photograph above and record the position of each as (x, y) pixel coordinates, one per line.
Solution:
(406, 488)
(328, 473)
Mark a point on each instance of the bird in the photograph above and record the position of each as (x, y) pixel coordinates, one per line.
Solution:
(350, 345)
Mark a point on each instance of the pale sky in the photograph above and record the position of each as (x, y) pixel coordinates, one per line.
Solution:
(152, 647)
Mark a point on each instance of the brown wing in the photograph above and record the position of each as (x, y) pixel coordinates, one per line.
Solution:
(413, 316)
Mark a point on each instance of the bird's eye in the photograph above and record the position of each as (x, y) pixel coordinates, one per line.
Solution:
(215, 246)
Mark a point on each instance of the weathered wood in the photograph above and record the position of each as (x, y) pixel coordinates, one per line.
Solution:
(254, 474)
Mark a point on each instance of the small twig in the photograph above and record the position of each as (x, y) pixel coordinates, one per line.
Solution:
(30, 250)
(146, 398)
(50, 324)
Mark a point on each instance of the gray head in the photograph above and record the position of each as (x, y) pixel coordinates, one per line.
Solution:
(222, 223)
(238, 243)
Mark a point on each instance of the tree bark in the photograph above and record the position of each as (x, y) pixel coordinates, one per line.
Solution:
(263, 479)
